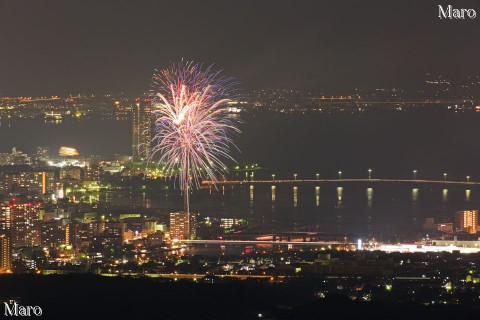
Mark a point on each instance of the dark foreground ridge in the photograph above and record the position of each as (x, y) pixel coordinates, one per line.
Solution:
(96, 297)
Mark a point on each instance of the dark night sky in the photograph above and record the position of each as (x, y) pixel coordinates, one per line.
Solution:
(94, 46)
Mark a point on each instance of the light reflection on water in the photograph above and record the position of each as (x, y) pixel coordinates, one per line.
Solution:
(345, 209)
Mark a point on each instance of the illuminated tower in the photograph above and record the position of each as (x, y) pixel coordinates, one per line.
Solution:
(5, 253)
(467, 221)
(141, 128)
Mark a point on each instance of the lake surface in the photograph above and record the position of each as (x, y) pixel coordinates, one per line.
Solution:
(391, 143)
(364, 209)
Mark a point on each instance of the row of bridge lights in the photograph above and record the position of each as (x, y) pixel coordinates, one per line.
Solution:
(369, 175)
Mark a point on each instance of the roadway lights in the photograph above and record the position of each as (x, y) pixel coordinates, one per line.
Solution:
(318, 176)
(295, 176)
(273, 177)
(339, 175)
(445, 177)
(414, 174)
(369, 174)
(468, 178)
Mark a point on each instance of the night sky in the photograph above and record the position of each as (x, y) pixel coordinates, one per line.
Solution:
(57, 47)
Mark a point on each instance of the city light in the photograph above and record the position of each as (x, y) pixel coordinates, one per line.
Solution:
(193, 195)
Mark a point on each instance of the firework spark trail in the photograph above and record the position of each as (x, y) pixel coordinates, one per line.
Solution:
(192, 127)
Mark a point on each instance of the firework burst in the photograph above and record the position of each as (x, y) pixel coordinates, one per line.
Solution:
(193, 129)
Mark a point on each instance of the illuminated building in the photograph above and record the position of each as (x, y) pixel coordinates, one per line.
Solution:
(129, 215)
(114, 228)
(80, 236)
(445, 227)
(227, 223)
(42, 153)
(69, 234)
(162, 227)
(6, 159)
(137, 225)
(114, 167)
(466, 221)
(28, 181)
(155, 239)
(74, 234)
(24, 224)
(150, 226)
(141, 128)
(5, 217)
(96, 228)
(128, 235)
(52, 214)
(111, 237)
(19, 158)
(5, 253)
(19, 233)
(52, 233)
(92, 173)
(193, 225)
(89, 216)
(183, 225)
(71, 173)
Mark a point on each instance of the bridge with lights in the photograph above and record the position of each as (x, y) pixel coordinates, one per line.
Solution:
(275, 241)
(340, 181)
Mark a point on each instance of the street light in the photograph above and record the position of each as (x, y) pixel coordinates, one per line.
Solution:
(273, 177)
(414, 174)
(445, 177)
(295, 176)
(318, 176)
(468, 178)
(339, 175)
(369, 174)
